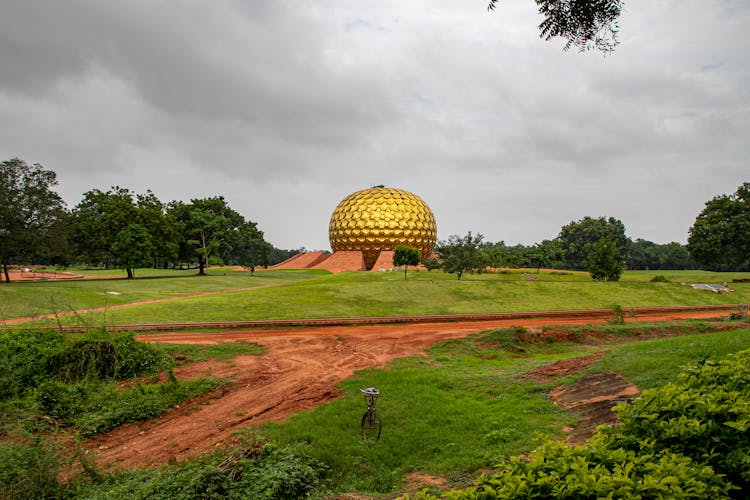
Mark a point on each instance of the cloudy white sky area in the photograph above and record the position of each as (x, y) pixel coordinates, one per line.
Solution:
(284, 108)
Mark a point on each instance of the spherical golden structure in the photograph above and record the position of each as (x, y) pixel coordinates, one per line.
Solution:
(380, 218)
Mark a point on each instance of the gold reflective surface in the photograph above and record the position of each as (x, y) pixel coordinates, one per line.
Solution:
(379, 219)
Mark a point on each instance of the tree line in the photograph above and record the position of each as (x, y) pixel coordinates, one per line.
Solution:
(123, 229)
(119, 228)
(719, 240)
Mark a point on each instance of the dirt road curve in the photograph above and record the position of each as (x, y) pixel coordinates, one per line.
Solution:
(299, 370)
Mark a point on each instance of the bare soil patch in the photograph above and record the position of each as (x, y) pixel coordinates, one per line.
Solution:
(299, 370)
(594, 396)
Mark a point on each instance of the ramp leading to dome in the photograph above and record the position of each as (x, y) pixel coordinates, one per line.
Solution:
(304, 260)
(341, 261)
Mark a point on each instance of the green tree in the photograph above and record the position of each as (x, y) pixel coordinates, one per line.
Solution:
(405, 255)
(133, 248)
(152, 216)
(545, 254)
(460, 255)
(206, 226)
(604, 262)
(720, 236)
(248, 248)
(577, 238)
(97, 220)
(29, 210)
(101, 215)
(584, 24)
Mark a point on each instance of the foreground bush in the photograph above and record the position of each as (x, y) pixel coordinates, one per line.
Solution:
(260, 472)
(29, 471)
(704, 414)
(560, 471)
(687, 439)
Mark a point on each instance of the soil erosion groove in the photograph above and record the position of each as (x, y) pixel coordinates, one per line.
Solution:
(299, 370)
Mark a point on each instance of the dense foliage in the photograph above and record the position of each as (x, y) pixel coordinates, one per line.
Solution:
(720, 236)
(258, 472)
(584, 24)
(461, 254)
(578, 237)
(47, 378)
(405, 256)
(687, 439)
(603, 262)
(30, 210)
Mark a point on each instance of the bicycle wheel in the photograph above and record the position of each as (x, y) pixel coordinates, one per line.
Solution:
(370, 427)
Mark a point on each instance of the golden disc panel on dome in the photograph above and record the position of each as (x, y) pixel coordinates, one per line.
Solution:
(380, 218)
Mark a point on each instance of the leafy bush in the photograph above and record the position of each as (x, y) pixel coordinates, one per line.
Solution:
(263, 472)
(704, 414)
(92, 408)
(659, 278)
(603, 261)
(29, 471)
(138, 358)
(23, 356)
(557, 470)
(84, 358)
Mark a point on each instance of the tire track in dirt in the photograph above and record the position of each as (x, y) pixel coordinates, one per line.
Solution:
(299, 370)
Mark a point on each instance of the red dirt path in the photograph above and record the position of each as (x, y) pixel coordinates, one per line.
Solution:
(299, 370)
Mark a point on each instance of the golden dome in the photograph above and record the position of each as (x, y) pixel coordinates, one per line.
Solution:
(379, 219)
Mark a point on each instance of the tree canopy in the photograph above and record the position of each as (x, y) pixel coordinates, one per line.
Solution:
(604, 262)
(577, 238)
(29, 210)
(584, 24)
(720, 236)
(461, 254)
(405, 255)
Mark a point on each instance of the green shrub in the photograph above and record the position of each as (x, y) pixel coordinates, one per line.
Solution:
(138, 358)
(92, 407)
(264, 472)
(704, 414)
(659, 278)
(28, 471)
(557, 470)
(82, 359)
(23, 356)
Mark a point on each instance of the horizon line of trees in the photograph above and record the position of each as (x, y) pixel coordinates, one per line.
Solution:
(719, 240)
(119, 228)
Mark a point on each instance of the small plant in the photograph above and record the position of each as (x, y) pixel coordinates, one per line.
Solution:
(659, 278)
(740, 314)
(618, 318)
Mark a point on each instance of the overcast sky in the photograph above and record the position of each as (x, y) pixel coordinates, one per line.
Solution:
(285, 108)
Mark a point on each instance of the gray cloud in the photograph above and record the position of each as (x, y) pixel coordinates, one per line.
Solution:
(285, 108)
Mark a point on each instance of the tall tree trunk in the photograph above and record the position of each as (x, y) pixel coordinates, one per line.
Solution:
(5, 272)
(130, 273)
(201, 266)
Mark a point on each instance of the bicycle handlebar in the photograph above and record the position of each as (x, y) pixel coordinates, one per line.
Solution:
(370, 391)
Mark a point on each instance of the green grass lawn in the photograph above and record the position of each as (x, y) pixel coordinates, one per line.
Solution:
(21, 299)
(386, 294)
(464, 408)
(312, 294)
